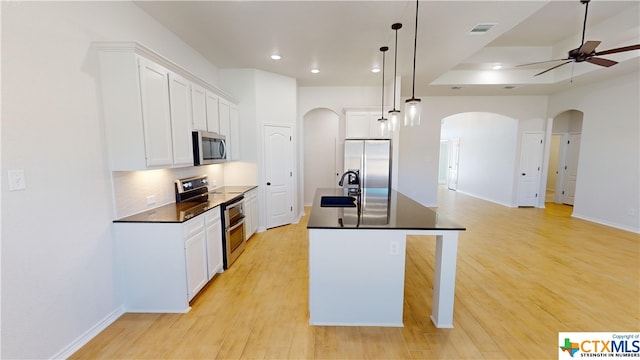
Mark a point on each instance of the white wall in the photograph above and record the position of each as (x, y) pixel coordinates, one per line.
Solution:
(58, 278)
(337, 99)
(264, 98)
(487, 157)
(419, 146)
(608, 187)
(321, 152)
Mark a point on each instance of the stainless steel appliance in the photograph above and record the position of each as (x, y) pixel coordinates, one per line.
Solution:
(208, 148)
(371, 159)
(192, 189)
(233, 243)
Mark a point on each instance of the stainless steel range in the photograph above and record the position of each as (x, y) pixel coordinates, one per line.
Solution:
(234, 242)
(195, 189)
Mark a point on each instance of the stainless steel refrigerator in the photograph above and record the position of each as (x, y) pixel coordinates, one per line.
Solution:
(372, 159)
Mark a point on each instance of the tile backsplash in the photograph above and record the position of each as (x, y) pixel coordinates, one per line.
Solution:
(132, 189)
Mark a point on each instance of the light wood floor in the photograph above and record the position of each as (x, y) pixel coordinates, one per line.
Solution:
(523, 276)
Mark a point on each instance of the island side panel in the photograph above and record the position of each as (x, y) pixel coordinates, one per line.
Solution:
(356, 277)
(444, 279)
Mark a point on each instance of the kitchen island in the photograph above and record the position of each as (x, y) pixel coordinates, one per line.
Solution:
(357, 259)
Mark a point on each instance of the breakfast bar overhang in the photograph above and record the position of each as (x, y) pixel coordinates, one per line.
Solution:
(357, 258)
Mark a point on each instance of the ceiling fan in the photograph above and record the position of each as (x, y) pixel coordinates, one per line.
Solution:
(586, 51)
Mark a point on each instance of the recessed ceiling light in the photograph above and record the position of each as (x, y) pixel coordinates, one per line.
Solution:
(497, 67)
(276, 56)
(315, 70)
(375, 69)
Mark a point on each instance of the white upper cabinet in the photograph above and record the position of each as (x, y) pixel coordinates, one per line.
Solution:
(225, 117)
(199, 107)
(156, 116)
(151, 105)
(213, 113)
(181, 120)
(364, 125)
(234, 137)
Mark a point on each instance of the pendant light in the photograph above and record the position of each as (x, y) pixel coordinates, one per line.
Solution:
(395, 113)
(383, 121)
(412, 106)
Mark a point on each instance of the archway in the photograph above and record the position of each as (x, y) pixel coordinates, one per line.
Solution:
(564, 152)
(322, 155)
(487, 152)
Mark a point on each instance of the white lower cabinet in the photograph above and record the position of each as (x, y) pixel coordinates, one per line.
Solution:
(195, 252)
(214, 242)
(162, 266)
(251, 212)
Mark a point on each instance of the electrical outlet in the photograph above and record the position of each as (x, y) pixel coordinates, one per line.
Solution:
(151, 199)
(17, 180)
(394, 248)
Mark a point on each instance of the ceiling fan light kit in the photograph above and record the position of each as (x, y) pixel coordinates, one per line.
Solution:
(412, 108)
(586, 51)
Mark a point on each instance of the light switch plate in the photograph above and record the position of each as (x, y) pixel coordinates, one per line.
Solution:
(17, 180)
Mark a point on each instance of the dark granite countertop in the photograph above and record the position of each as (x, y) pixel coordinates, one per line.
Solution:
(181, 212)
(379, 208)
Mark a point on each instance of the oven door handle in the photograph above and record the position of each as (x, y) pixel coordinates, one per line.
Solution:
(241, 222)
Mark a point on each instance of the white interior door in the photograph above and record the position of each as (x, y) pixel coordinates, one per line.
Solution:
(278, 153)
(571, 169)
(530, 166)
(454, 156)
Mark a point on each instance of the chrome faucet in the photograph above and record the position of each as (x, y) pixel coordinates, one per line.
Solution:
(350, 173)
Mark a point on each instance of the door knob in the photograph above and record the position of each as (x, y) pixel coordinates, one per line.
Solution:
(268, 183)
(523, 174)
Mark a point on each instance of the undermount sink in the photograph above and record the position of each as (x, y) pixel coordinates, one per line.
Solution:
(337, 201)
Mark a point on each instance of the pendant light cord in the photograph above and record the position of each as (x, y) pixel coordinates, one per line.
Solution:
(383, 49)
(415, 46)
(395, 71)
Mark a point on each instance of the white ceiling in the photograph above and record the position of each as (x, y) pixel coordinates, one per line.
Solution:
(343, 38)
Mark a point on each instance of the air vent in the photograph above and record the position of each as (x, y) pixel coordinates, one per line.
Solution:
(509, 87)
(480, 29)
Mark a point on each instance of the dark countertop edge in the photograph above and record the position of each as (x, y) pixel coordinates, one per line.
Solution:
(323, 217)
(238, 190)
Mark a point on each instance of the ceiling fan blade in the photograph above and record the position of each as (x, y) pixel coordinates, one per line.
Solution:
(549, 69)
(542, 62)
(620, 49)
(588, 47)
(602, 61)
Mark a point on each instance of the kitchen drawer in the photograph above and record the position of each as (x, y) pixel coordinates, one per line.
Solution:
(193, 226)
(213, 215)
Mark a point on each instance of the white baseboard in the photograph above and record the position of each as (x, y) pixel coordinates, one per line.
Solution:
(605, 223)
(485, 198)
(70, 349)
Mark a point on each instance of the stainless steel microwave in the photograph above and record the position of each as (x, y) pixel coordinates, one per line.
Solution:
(209, 148)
